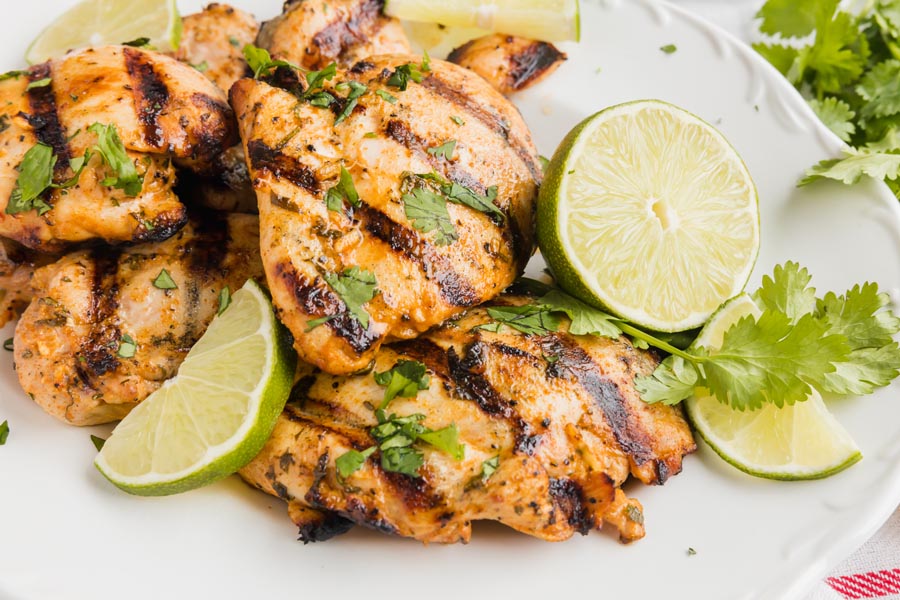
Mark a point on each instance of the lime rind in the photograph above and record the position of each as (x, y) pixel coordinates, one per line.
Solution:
(224, 457)
(618, 280)
(785, 444)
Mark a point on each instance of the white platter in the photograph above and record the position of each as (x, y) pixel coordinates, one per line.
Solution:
(67, 534)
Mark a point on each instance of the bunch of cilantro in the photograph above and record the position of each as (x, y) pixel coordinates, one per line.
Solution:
(847, 66)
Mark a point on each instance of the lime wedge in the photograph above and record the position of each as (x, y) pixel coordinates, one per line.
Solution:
(101, 22)
(648, 212)
(547, 20)
(216, 414)
(801, 441)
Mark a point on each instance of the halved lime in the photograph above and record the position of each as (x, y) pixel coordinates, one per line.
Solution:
(216, 414)
(100, 22)
(547, 20)
(800, 441)
(648, 212)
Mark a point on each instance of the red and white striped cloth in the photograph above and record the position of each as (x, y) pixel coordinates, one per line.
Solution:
(874, 570)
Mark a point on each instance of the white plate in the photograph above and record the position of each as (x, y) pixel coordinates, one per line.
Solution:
(66, 533)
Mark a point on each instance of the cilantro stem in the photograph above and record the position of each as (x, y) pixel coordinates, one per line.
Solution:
(657, 343)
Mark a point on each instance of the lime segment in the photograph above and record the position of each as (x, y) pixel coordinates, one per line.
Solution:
(216, 414)
(101, 22)
(648, 212)
(548, 20)
(801, 441)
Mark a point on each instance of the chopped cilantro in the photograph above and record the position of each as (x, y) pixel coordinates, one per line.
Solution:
(355, 287)
(669, 48)
(489, 467)
(351, 461)
(35, 176)
(224, 300)
(127, 347)
(164, 281)
(234, 41)
(444, 151)
(8, 345)
(402, 75)
(39, 83)
(457, 120)
(428, 212)
(356, 90)
(202, 67)
(691, 552)
(110, 147)
(315, 82)
(140, 42)
(4, 432)
(387, 97)
(634, 514)
(341, 191)
(404, 379)
(98, 442)
(261, 62)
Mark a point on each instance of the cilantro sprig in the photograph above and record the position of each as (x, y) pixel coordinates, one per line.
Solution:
(841, 344)
(847, 65)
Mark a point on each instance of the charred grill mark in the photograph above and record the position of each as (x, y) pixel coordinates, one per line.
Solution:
(467, 375)
(492, 120)
(426, 352)
(216, 131)
(208, 248)
(406, 242)
(341, 36)
(458, 54)
(569, 499)
(401, 133)
(531, 63)
(362, 67)
(321, 529)
(282, 166)
(416, 492)
(576, 364)
(163, 226)
(151, 94)
(44, 117)
(317, 300)
(97, 354)
(358, 513)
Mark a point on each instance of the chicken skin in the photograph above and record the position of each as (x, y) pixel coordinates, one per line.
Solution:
(162, 111)
(107, 327)
(212, 41)
(555, 416)
(314, 33)
(509, 63)
(384, 217)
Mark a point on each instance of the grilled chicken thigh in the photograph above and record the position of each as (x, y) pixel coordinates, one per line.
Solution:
(429, 257)
(315, 33)
(162, 110)
(100, 335)
(508, 63)
(559, 411)
(212, 41)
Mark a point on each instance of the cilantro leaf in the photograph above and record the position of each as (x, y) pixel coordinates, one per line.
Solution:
(343, 190)
(428, 212)
(224, 300)
(127, 347)
(402, 75)
(489, 467)
(98, 442)
(856, 163)
(837, 116)
(444, 151)
(35, 176)
(793, 18)
(164, 281)
(111, 148)
(404, 379)
(787, 291)
(355, 287)
(460, 194)
(446, 439)
(261, 62)
(4, 432)
(356, 90)
(351, 461)
(669, 48)
(586, 320)
(783, 58)
(387, 97)
(406, 460)
(138, 42)
(315, 81)
(671, 382)
(39, 83)
(529, 319)
(880, 88)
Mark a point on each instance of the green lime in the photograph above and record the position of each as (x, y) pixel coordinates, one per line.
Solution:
(101, 22)
(548, 20)
(215, 415)
(648, 212)
(800, 441)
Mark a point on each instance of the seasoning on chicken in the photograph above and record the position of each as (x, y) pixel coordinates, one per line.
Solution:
(212, 41)
(384, 215)
(109, 325)
(135, 111)
(17, 265)
(315, 34)
(508, 63)
(551, 424)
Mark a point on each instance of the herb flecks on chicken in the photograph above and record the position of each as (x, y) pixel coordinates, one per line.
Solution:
(431, 260)
(540, 432)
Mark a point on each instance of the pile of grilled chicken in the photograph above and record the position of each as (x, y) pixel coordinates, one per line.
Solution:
(241, 177)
